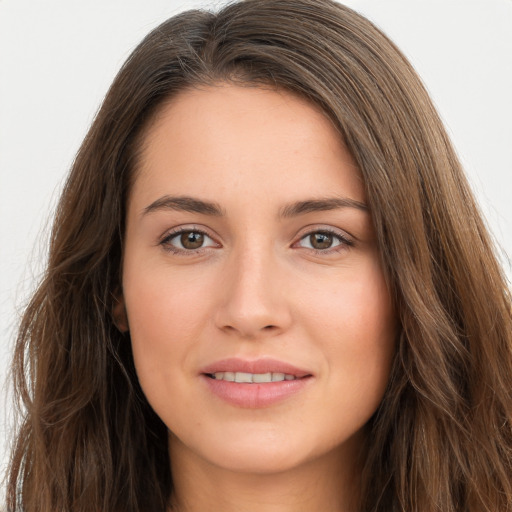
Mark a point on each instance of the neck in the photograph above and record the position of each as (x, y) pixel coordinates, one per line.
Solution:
(329, 483)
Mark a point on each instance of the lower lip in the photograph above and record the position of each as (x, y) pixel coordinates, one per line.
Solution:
(255, 396)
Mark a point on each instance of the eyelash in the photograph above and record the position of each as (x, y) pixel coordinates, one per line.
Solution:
(344, 242)
(166, 241)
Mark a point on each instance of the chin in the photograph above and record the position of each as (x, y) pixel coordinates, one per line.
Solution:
(247, 450)
(254, 460)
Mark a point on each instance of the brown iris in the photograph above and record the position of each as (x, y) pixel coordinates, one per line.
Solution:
(192, 240)
(321, 240)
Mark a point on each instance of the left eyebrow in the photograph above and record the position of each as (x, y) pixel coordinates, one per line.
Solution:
(316, 205)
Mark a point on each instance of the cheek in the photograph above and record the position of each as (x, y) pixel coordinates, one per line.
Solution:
(357, 331)
(166, 313)
(355, 304)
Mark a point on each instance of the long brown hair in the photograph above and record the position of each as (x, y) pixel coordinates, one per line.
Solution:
(441, 439)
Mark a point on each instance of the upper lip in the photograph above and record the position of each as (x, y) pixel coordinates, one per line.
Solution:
(256, 366)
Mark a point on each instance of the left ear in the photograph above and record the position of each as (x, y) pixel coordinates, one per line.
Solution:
(119, 312)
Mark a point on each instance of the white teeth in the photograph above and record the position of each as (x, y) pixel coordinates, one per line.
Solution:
(249, 378)
(262, 377)
(243, 377)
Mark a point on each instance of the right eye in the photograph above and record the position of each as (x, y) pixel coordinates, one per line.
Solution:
(187, 240)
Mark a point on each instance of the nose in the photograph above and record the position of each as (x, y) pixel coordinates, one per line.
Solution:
(254, 302)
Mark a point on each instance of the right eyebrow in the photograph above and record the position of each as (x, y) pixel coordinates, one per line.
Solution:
(185, 204)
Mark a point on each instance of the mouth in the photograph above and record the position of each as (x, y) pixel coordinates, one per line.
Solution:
(255, 384)
(257, 371)
(253, 378)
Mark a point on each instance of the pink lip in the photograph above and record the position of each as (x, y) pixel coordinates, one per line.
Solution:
(255, 396)
(257, 366)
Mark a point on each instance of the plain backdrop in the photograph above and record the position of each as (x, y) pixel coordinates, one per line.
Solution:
(58, 57)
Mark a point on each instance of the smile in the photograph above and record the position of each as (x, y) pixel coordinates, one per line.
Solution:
(252, 378)
(255, 384)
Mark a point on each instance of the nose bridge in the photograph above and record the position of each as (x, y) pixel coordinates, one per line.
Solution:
(254, 302)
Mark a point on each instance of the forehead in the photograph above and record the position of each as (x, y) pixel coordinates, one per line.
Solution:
(247, 140)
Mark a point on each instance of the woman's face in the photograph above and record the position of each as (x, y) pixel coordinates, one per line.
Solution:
(250, 255)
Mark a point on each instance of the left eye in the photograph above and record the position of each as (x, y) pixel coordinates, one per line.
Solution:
(322, 240)
(189, 240)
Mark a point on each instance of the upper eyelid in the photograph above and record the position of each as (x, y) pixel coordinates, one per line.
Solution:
(344, 240)
(171, 233)
(309, 230)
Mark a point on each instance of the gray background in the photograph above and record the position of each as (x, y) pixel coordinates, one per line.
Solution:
(58, 57)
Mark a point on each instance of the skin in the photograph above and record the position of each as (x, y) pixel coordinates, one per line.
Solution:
(256, 288)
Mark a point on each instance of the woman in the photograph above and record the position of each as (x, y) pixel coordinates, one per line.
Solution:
(268, 287)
